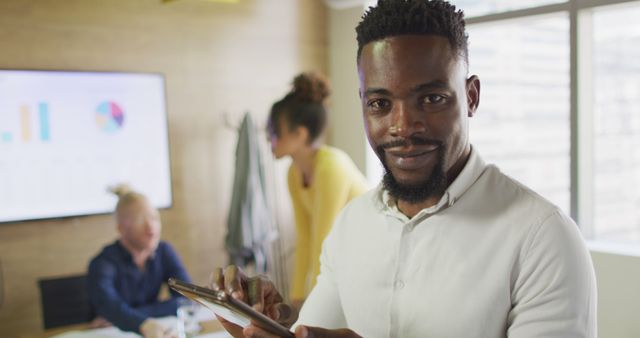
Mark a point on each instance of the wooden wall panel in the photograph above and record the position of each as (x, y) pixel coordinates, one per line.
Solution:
(216, 58)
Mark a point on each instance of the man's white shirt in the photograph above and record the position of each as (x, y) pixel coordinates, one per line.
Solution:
(491, 259)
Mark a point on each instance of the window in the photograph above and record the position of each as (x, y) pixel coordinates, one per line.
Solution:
(569, 131)
(522, 123)
(477, 8)
(616, 123)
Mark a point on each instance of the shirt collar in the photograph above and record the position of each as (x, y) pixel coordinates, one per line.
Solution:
(126, 255)
(468, 175)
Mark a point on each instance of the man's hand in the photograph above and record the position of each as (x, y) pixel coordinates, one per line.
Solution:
(152, 328)
(259, 292)
(303, 332)
(99, 322)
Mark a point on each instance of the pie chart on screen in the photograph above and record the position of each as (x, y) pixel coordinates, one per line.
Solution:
(109, 116)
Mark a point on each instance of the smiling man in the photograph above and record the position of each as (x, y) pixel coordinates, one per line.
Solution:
(416, 99)
(447, 245)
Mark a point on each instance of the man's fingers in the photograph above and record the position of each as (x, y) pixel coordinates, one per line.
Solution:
(285, 314)
(232, 282)
(316, 332)
(253, 331)
(216, 279)
(262, 295)
(255, 293)
(270, 293)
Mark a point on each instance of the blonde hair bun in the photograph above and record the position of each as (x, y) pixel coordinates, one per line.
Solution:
(311, 86)
(120, 190)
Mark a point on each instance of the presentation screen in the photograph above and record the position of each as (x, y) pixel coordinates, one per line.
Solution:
(66, 137)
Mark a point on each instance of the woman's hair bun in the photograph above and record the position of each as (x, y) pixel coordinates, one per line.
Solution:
(311, 87)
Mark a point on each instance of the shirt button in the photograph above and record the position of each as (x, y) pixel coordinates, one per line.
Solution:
(398, 284)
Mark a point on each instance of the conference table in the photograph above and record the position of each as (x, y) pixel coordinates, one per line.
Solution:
(209, 328)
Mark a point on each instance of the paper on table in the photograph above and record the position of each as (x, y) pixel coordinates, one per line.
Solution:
(220, 334)
(112, 331)
(109, 332)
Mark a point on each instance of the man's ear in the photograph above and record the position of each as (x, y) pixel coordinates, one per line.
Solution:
(473, 95)
(120, 226)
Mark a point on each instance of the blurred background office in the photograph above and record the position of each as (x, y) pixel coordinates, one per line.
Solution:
(569, 70)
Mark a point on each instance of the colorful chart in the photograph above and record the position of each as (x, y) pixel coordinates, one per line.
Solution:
(25, 123)
(110, 116)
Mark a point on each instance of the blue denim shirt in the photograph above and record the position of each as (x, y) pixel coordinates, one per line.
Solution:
(125, 295)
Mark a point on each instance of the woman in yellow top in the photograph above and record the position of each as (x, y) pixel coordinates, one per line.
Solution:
(322, 179)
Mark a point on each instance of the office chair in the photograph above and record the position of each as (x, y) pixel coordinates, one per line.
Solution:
(64, 301)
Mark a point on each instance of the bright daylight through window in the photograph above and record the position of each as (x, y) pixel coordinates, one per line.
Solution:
(527, 73)
(616, 96)
(527, 121)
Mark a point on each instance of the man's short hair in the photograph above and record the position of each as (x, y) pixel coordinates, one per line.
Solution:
(413, 17)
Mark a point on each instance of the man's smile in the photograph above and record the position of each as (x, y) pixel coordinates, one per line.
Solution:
(412, 157)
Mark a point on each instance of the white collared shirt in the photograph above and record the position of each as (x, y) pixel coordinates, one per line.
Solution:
(491, 259)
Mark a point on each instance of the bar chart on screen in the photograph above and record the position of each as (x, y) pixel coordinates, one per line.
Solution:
(33, 124)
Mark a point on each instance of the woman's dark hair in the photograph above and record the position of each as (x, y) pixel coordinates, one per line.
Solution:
(302, 106)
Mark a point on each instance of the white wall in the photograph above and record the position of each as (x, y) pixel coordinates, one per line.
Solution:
(618, 294)
(346, 125)
(346, 129)
(618, 275)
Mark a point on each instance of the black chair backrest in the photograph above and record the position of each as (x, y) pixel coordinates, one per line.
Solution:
(64, 301)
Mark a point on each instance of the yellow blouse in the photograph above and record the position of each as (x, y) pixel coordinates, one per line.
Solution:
(336, 180)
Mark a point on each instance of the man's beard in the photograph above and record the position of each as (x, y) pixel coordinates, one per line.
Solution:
(414, 193)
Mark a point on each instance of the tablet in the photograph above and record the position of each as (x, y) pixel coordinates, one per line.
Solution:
(228, 307)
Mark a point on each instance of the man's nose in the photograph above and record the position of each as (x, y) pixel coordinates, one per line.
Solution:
(148, 224)
(405, 121)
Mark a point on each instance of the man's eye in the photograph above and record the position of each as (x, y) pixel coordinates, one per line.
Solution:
(378, 104)
(433, 98)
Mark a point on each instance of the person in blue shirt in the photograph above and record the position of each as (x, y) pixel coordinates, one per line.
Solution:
(125, 278)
